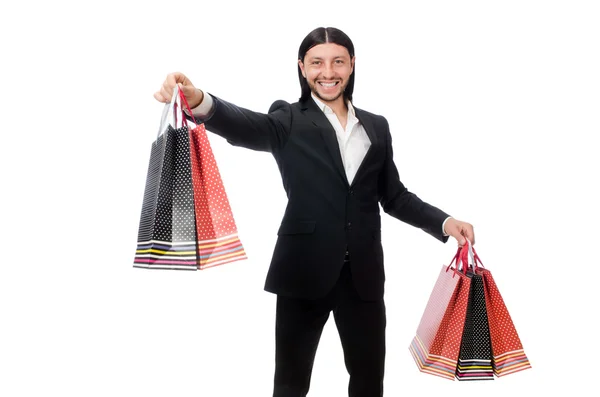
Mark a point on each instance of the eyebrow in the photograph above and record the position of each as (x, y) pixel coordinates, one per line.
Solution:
(320, 58)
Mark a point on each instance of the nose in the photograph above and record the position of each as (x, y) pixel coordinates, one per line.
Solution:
(328, 71)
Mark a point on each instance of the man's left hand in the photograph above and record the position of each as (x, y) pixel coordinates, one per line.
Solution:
(460, 230)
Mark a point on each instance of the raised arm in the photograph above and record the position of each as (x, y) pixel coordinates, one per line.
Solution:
(241, 127)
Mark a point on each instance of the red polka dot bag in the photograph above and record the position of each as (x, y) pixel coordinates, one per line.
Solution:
(186, 221)
(436, 345)
(508, 355)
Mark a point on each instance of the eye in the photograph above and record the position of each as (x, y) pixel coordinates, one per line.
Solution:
(316, 62)
(339, 61)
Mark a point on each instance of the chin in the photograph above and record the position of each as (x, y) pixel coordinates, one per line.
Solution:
(329, 97)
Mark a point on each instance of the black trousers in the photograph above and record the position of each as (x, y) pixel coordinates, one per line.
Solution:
(361, 326)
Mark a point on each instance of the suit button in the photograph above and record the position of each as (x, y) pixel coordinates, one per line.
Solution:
(348, 225)
(351, 192)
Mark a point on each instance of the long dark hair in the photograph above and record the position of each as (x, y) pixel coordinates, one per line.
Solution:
(322, 36)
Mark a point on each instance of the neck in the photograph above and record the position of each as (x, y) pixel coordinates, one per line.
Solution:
(339, 106)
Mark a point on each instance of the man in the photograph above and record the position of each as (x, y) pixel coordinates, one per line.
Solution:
(337, 167)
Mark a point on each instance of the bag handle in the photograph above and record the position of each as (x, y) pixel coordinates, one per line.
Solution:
(476, 259)
(169, 115)
(469, 253)
(455, 260)
(461, 258)
(187, 106)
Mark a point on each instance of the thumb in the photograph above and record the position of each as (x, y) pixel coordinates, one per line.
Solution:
(186, 89)
(193, 95)
(459, 237)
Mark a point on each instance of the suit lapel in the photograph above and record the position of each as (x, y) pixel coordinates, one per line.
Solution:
(367, 123)
(316, 116)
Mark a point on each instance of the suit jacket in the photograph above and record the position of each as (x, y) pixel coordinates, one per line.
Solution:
(325, 215)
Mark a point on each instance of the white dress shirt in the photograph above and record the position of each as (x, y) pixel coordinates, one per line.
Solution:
(353, 141)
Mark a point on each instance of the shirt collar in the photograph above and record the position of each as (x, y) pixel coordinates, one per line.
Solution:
(327, 110)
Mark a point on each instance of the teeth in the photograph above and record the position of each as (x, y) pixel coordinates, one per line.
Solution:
(328, 84)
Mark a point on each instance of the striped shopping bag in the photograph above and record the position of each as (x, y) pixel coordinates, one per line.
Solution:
(436, 345)
(186, 220)
(508, 355)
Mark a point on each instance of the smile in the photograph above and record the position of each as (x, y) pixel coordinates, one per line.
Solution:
(329, 85)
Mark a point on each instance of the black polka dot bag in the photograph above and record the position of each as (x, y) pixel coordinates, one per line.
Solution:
(186, 221)
(475, 356)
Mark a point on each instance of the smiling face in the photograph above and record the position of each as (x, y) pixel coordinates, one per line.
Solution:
(327, 69)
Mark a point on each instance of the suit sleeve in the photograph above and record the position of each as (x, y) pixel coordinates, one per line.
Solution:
(400, 203)
(249, 129)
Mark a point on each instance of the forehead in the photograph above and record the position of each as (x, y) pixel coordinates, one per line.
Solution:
(327, 50)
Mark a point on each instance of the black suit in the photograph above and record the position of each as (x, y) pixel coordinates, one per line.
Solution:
(326, 217)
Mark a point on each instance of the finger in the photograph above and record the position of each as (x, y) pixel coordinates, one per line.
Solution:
(178, 78)
(166, 93)
(468, 233)
(169, 85)
(171, 80)
(159, 97)
(459, 237)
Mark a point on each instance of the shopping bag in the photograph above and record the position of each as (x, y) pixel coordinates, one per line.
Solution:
(436, 345)
(475, 356)
(186, 221)
(508, 355)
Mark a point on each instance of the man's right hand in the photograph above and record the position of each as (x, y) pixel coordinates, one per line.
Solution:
(193, 95)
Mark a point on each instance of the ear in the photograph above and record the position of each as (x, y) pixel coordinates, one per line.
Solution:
(352, 64)
(301, 66)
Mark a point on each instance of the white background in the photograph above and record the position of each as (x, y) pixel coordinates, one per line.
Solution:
(493, 107)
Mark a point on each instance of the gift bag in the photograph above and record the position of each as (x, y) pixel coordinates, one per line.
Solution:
(436, 345)
(508, 355)
(186, 221)
(475, 356)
